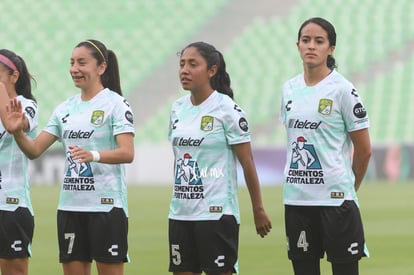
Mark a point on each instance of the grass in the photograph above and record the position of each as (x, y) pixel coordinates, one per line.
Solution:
(387, 211)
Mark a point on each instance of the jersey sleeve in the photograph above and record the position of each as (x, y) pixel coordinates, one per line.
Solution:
(170, 128)
(123, 119)
(235, 125)
(54, 126)
(32, 114)
(354, 114)
(283, 106)
(173, 118)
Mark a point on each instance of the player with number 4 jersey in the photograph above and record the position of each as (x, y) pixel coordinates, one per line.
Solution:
(328, 150)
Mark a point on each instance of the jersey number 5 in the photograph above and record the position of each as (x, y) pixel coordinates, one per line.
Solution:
(175, 254)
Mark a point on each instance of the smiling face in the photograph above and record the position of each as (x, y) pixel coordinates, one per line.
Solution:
(314, 46)
(194, 73)
(84, 69)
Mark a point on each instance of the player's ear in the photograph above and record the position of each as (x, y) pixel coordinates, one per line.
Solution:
(212, 71)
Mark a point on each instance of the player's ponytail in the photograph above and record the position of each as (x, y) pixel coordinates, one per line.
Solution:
(221, 80)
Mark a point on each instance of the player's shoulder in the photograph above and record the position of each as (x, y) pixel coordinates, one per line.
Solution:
(340, 80)
(181, 101)
(68, 102)
(223, 99)
(27, 101)
(296, 78)
(111, 96)
(293, 83)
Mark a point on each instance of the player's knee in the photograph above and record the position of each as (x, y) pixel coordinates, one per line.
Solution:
(307, 267)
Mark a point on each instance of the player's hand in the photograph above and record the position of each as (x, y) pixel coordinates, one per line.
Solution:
(15, 120)
(262, 222)
(80, 155)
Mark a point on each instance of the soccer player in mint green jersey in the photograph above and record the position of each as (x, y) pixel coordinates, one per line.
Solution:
(16, 211)
(96, 130)
(208, 132)
(328, 150)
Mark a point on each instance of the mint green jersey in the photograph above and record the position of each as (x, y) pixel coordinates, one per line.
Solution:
(318, 120)
(14, 175)
(92, 125)
(205, 172)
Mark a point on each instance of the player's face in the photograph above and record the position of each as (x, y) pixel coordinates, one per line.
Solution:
(193, 72)
(84, 68)
(9, 80)
(313, 45)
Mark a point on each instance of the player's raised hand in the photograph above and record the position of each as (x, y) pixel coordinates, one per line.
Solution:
(15, 120)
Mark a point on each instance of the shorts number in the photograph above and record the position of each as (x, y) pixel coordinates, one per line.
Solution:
(71, 237)
(302, 243)
(175, 254)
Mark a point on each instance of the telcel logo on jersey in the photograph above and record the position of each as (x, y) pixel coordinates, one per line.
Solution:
(70, 134)
(298, 124)
(181, 141)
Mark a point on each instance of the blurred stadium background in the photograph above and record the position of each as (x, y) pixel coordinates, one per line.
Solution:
(374, 50)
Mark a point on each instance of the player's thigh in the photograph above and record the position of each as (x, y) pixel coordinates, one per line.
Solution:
(303, 232)
(218, 243)
(14, 266)
(184, 256)
(73, 236)
(77, 268)
(108, 235)
(343, 232)
(16, 233)
(110, 268)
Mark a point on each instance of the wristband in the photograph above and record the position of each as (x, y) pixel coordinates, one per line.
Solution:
(95, 156)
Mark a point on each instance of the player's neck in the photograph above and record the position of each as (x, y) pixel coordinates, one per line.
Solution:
(198, 97)
(88, 94)
(314, 75)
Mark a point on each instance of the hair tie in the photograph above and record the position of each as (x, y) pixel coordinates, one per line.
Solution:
(6, 61)
(96, 47)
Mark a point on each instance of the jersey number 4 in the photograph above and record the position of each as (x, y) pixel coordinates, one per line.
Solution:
(302, 243)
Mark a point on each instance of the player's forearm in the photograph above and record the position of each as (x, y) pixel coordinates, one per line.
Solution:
(119, 155)
(26, 144)
(360, 166)
(362, 154)
(253, 186)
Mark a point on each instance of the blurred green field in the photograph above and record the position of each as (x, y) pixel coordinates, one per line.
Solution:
(387, 211)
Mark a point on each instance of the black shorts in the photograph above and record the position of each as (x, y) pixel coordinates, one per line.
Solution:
(209, 246)
(336, 230)
(87, 236)
(16, 233)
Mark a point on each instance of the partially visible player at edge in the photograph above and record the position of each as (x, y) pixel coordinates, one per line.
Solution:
(209, 132)
(327, 157)
(96, 129)
(16, 211)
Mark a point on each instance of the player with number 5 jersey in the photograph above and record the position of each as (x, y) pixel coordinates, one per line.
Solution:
(209, 133)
